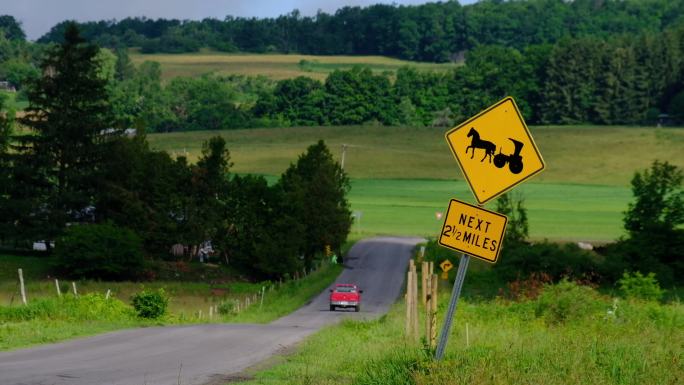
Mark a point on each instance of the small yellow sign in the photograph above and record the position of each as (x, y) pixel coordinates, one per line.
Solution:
(473, 230)
(495, 150)
(446, 265)
(445, 275)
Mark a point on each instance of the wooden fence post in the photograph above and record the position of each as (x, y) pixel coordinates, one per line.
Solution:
(21, 287)
(423, 282)
(428, 306)
(409, 287)
(433, 311)
(59, 292)
(414, 303)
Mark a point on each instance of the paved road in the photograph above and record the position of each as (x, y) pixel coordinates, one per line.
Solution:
(202, 354)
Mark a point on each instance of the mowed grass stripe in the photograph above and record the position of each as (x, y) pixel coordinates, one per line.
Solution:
(562, 212)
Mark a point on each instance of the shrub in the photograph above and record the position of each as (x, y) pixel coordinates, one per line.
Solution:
(520, 260)
(636, 285)
(150, 304)
(527, 288)
(662, 254)
(102, 251)
(227, 307)
(567, 301)
(653, 222)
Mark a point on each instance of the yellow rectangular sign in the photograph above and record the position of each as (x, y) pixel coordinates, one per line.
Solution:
(473, 230)
(495, 150)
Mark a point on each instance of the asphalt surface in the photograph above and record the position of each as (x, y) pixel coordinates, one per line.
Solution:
(209, 354)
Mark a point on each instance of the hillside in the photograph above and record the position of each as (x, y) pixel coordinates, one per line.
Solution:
(403, 176)
(600, 155)
(273, 66)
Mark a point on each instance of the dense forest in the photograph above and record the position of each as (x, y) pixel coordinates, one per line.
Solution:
(580, 62)
(430, 32)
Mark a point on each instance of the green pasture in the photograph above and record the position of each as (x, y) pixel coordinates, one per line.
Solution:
(274, 66)
(560, 212)
(573, 154)
(403, 176)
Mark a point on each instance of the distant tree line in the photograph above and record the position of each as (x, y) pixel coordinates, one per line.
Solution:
(622, 80)
(76, 181)
(627, 79)
(435, 32)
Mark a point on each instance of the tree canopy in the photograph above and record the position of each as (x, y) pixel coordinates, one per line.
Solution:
(428, 32)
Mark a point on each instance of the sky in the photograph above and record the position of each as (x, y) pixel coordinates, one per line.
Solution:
(38, 16)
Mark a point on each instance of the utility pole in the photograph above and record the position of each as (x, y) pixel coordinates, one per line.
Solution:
(344, 153)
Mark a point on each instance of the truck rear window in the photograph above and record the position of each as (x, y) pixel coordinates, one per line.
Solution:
(344, 289)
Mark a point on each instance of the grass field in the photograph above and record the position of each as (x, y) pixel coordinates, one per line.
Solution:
(584, 155)
(402, 176)
(499, 342)
(561, 212)
(274, 66)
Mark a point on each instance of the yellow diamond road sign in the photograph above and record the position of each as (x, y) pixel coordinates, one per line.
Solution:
(473, 230)
(495, 150)
(446, 265)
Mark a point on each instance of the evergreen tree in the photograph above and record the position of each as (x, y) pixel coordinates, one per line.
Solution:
(6, 121)
(68, 112)
(315, 188)
(145, 191)
(262, 237)
(209, 192)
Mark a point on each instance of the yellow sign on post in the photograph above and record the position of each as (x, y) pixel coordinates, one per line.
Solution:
(473, 230)
(446, 265)
(495, 150)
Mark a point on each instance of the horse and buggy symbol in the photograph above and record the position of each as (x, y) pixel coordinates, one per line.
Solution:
(514, 160)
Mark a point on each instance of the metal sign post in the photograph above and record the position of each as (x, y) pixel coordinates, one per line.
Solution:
(453, 302)
(474, 230)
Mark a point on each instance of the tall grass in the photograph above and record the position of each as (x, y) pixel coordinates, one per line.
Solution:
(506, 343)
(48, 318)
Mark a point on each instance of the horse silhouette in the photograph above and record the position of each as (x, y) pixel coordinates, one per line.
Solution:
(476, 142)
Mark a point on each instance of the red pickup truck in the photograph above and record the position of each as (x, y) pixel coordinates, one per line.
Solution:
(345, 295)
